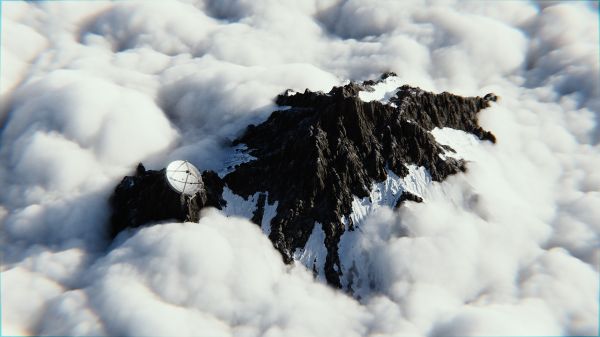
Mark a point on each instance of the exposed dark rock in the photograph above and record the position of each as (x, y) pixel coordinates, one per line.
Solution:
(407, 196)
(313, 158)
(329, 147)
(213, 186)
(147, 197)
(443, 110)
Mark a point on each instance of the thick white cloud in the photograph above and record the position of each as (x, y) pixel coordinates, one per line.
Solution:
(217, 277)
(89, 89)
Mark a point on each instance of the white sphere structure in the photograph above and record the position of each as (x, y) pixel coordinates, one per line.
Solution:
(184, 177)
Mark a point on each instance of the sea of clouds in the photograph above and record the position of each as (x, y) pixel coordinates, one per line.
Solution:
(89, 89)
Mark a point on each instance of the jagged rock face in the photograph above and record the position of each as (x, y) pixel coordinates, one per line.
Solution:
(147, 197)
(326, 148)
(313, 159)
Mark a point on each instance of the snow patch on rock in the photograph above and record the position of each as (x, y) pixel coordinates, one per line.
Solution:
(235, 155)
(237, 205)
(462, 142)
(314, 253)
(382, 91)
(268, 215)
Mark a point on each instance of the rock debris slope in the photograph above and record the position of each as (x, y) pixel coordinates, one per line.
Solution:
(321, 151)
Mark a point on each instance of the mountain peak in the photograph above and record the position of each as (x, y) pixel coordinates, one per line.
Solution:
(321, 151)
(314, 157)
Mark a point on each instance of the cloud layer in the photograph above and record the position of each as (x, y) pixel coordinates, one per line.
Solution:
(89, 89)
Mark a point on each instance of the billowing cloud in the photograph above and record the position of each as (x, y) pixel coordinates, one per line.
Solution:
(89, 89)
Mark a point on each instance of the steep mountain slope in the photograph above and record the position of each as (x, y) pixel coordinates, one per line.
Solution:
(327, 148)
(314, 169)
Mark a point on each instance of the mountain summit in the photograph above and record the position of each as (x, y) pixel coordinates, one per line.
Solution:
(312, 159)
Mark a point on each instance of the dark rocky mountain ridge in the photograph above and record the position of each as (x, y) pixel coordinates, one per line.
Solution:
(315, 156)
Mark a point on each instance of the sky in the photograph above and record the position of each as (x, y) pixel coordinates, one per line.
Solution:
(89, 89)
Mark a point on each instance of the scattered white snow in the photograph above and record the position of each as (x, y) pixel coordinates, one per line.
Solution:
(387, 192)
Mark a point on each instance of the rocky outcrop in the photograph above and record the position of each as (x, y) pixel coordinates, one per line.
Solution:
(407, 196)
(147, 197)
(312, 158)
(328, 147)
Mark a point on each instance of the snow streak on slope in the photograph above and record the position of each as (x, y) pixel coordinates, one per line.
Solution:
(237, 206)
(314, 253)
(461, 142)
(383, 195)
(89, 89)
